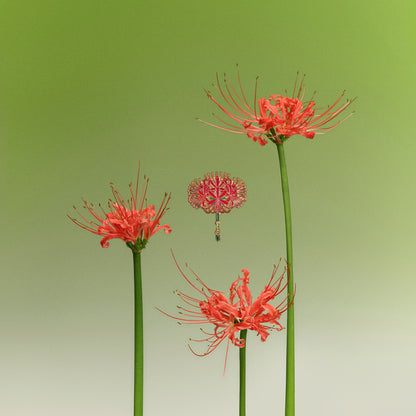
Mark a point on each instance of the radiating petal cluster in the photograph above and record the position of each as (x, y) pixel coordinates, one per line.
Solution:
(217, 193)
(277, 117)
(129, 220)
(230, 314)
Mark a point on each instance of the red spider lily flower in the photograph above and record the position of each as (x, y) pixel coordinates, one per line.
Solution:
(217, 193)
(229, 315)
(278, 117)
(128, 220)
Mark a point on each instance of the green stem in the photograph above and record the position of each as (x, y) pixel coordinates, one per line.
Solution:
(138, 336)
(290, 333)
(243, 335)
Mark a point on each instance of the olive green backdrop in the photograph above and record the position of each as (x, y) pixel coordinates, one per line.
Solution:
(90, 88)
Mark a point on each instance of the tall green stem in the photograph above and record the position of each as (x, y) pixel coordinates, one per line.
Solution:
(290, 333)
(243, 335)
(138, 336)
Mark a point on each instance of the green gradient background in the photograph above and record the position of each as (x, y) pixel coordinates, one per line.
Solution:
(89, 88)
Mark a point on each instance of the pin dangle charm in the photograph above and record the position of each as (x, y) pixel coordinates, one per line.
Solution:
(217, 194)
